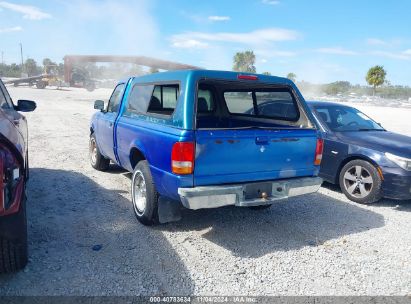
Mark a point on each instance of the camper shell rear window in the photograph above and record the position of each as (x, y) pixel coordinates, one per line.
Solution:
(276, 103)
(227, 104)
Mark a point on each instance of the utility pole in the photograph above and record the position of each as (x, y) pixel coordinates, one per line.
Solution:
(21, 53)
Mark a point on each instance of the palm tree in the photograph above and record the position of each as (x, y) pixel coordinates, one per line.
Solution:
(244, 62)
(376, 77)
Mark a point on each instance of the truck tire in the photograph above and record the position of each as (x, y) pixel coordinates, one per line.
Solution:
(144, 195)
(360, 182)
(97, 160)
(90, 86)
(14, 250)
(41, 84)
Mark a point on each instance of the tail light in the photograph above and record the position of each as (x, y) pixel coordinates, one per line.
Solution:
(182, 158)
(11, 180)
(319, 152)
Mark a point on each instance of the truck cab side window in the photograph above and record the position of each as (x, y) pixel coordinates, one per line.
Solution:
(138, 100)
(115, 99)
(164, 99)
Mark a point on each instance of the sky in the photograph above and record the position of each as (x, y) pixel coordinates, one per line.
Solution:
(320, 41)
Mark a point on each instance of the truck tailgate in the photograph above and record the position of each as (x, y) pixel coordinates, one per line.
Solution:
(246, 155)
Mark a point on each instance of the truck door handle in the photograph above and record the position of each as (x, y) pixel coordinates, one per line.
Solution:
(261, 140)
(16, 122)
(110, 124)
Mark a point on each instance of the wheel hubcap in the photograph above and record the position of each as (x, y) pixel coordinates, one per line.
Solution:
(139, 192)
(358, 181)
(93, 151)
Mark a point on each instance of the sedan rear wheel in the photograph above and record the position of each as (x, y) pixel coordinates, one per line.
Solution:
(361, 182)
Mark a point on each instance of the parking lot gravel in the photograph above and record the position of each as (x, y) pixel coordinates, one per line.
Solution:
(85, 240)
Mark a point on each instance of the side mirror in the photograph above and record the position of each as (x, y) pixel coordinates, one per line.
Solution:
(25, 105)
(99, 105)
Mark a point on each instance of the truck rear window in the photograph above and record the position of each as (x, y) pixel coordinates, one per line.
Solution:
(267, 103)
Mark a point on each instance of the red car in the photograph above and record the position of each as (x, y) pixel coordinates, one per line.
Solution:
(13, 178)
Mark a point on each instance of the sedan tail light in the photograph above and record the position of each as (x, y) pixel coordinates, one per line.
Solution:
(11, 180)
(182, 158)
(319, 152)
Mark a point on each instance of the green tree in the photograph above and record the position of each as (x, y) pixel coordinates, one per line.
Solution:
(244, 62)
(61, 69)
(292, 77)
(153, 70)
(267, 73)
(31, 67)
(376, 77)
(337, 87)
(14, 70)
(47, 61)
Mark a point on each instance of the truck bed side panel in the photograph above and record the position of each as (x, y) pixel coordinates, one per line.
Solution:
(155, 141)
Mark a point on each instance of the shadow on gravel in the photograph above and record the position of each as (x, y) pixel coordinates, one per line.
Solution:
(394, 204)
(85, 240)
(288, 225)
(400, 205)
(115, 169)
(332, 187)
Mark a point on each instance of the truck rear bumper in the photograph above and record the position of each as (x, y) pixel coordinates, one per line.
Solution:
(247, 194)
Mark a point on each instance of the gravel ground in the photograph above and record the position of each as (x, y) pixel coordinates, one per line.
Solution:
(320, 244)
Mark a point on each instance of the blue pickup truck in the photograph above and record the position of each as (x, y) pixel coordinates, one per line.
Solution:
(207, 139)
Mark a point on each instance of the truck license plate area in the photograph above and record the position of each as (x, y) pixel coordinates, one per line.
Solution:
(257, 190)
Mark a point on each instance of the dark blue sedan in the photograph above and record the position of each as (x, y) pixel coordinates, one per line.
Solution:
(367, 161)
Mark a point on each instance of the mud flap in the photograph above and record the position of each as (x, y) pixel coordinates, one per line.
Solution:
(168, 210)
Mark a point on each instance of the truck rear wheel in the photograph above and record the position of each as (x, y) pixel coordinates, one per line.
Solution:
(13, 242)
(144, 195)
(97, 160)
